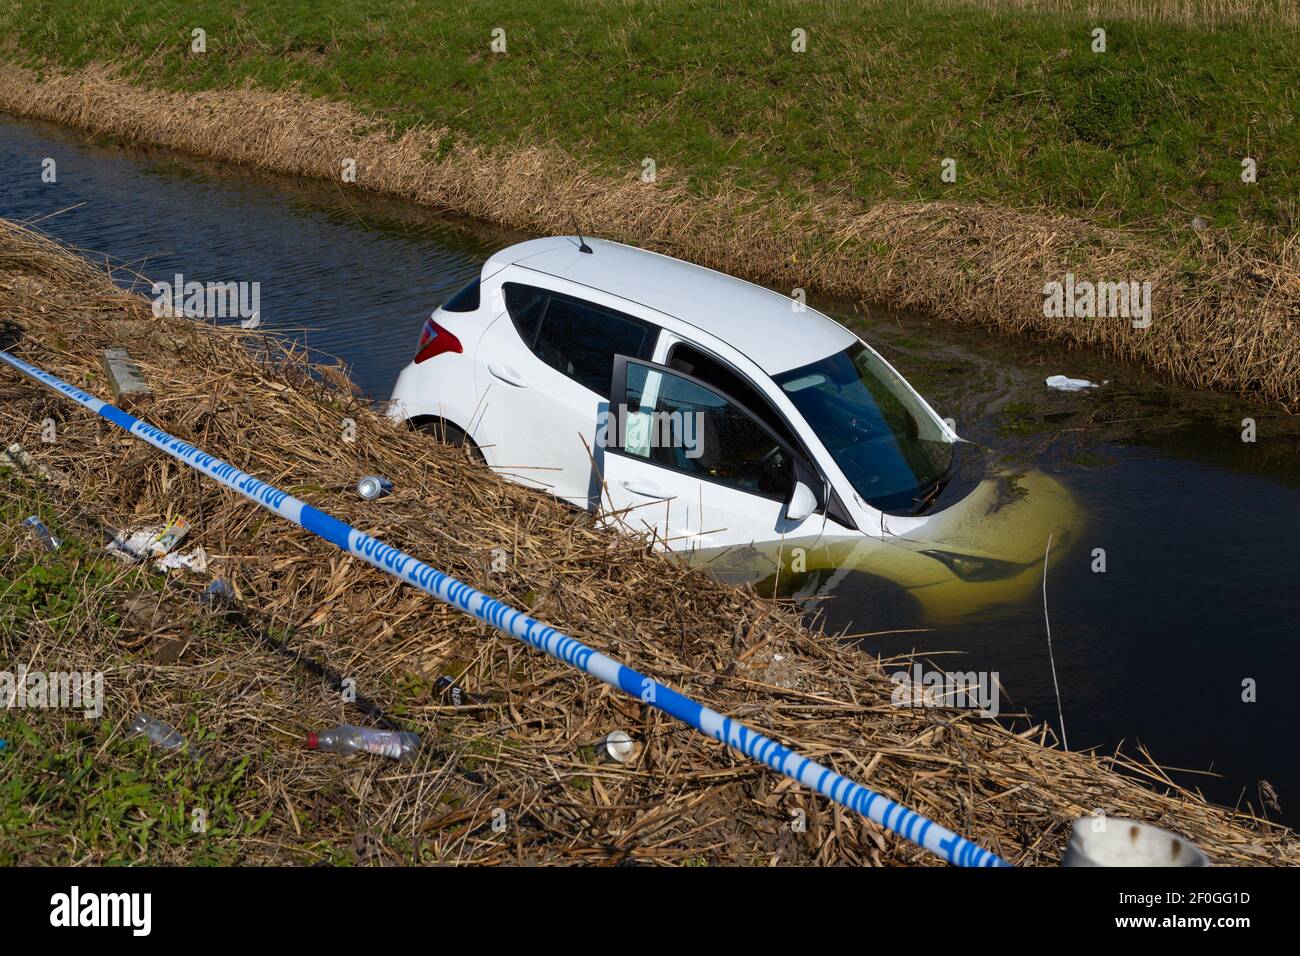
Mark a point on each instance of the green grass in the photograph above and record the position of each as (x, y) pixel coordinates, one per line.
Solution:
(73, 789)
(91, 795)
(36, 584)
(1151, 132)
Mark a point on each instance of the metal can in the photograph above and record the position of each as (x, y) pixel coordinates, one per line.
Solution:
(374, 486)
(170, 536)
(618, 746)
(454, 693)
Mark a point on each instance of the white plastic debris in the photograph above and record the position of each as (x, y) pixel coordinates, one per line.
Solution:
(155, 540)
(132, 546)
(195, 560)
(18, 458)
(1066, 384)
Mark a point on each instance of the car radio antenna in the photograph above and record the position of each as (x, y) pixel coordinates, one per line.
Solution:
(582, 243)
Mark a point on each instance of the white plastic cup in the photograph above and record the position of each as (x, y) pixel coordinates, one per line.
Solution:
(1113, 841)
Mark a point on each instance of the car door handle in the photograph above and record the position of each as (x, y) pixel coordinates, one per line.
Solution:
(643, 488)
(508, 375)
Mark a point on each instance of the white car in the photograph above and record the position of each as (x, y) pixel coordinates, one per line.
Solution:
(680, 401)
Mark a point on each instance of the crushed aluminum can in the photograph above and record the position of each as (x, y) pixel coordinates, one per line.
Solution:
(457, 695)
(133, 545)
(374, 486)
(42, 533)
(618, 746)
(170, 536)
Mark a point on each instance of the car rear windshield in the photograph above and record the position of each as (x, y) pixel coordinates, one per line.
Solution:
(887, 443)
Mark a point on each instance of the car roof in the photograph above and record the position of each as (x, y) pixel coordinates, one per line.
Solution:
(754, 320)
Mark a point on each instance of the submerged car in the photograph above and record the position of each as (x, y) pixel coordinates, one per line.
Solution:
(718, 416)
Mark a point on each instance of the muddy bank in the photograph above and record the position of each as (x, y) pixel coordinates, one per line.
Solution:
(524, 747)
(1223, 315)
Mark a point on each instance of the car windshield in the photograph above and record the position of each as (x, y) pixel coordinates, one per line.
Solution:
(889, 446)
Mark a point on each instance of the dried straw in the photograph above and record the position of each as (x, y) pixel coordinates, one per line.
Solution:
(524, 750)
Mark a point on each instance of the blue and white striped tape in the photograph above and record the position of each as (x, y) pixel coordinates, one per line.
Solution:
(907, 823)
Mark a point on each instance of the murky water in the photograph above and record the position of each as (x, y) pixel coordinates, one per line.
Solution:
(1201, 531)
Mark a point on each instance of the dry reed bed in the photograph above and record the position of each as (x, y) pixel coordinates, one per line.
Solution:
(1226, 314)
(683, 799)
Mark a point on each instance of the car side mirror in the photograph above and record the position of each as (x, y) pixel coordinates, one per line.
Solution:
(802, 502)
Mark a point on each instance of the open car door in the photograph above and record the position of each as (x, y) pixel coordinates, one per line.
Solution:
(699, 470)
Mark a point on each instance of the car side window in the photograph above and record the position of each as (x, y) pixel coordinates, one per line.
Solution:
(525, 305)
(580, 340)
(680, 424)
(576, 338)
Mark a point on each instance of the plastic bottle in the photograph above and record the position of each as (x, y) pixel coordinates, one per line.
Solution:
(347, 739)
(159, 732)
(42, 533)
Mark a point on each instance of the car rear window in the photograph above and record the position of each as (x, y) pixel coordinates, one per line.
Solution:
(466, 300)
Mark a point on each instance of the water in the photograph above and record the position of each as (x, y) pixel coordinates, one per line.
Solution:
(359, 276)
(1201, 531)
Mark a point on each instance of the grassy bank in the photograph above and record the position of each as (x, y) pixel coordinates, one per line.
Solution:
(818, 170)
(247, 685)
(1148, 133)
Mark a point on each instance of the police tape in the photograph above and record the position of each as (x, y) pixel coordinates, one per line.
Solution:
(874, 806)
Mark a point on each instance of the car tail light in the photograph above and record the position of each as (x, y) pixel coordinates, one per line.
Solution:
(434, 340)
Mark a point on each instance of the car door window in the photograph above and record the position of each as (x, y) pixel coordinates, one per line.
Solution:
(681, 424)
(578, 339)
(686, 358)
